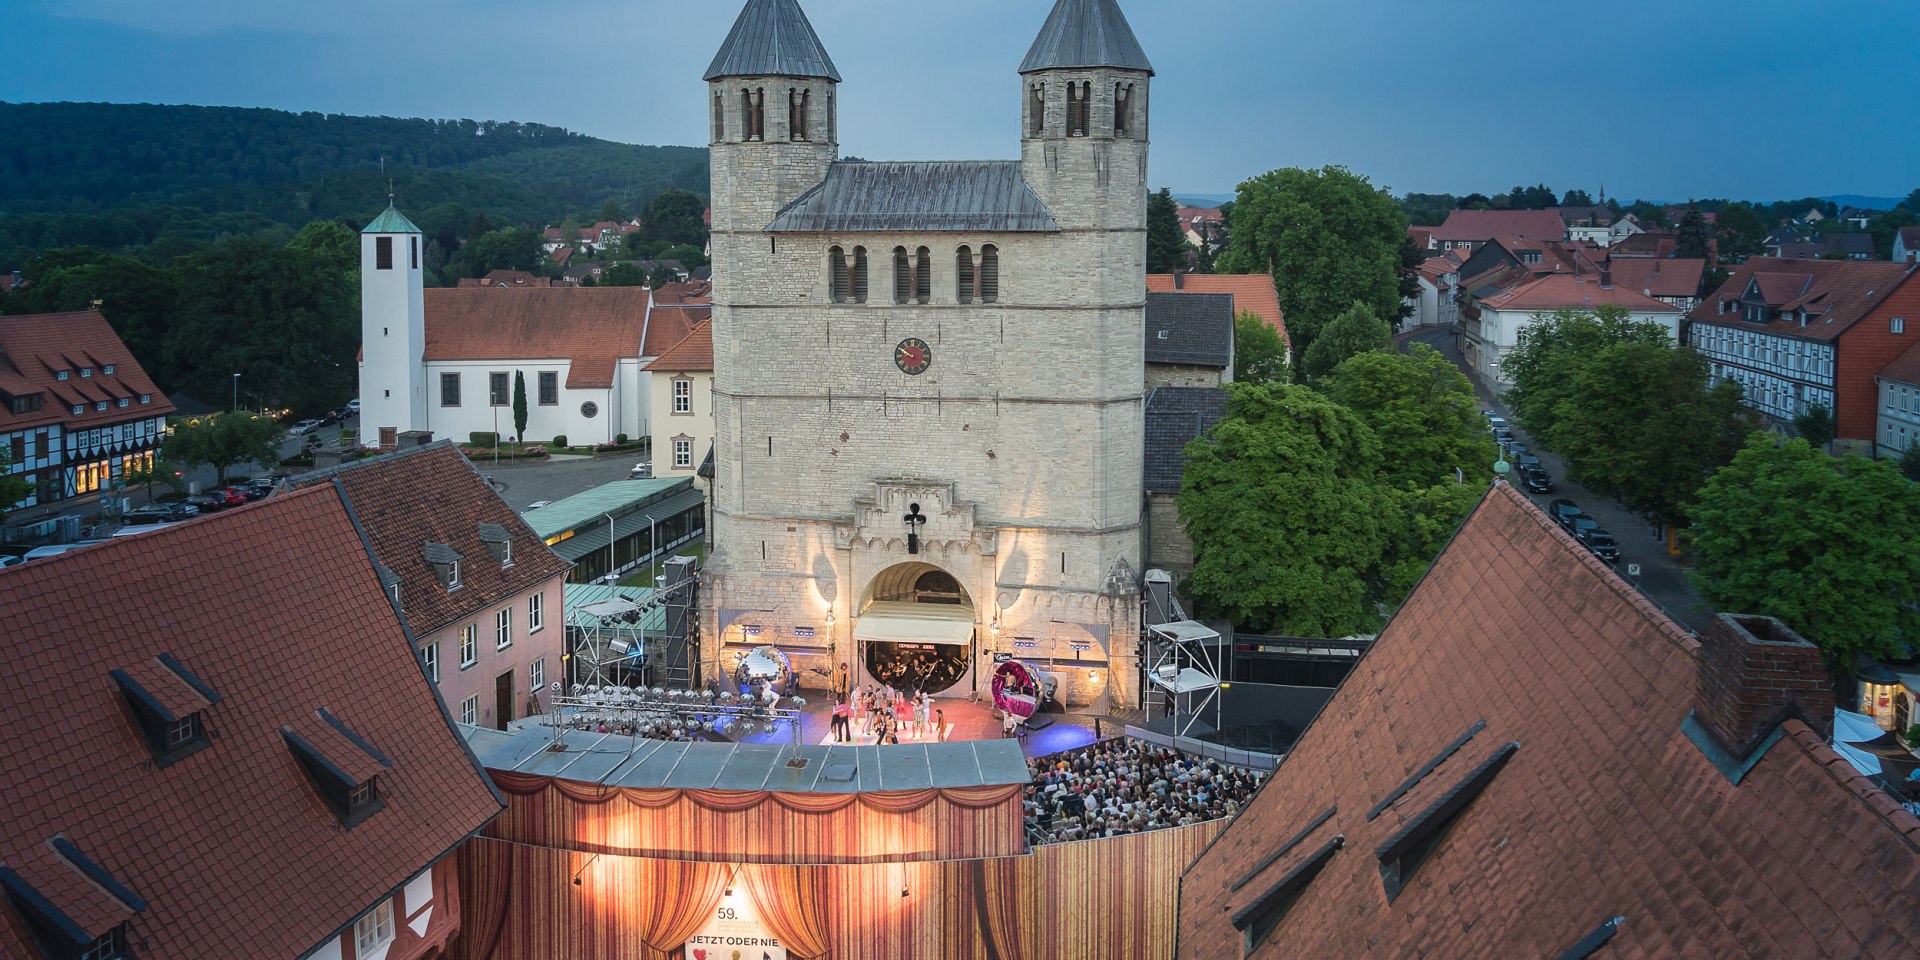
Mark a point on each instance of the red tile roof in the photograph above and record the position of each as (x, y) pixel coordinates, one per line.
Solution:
(591, 326)
(1904, 368)
(35, 348)
(432, 494)
(1659, 278)
(1251, 291)
(1479, 225)
(1835, 293)
(1556, 290)
(694, 353)
(1605, 808)
(1422, 237)
(231, 847)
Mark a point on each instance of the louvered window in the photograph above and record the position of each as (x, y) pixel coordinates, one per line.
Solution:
(1079, 107)
(963, 275)
(719, 118)
(797, 103)
(989, 274)
(383, 253)
(753, 113)
(859, 274)
(837, 270)
(902, 276)
(1122, 109)
(923, 275)
(1037, 118)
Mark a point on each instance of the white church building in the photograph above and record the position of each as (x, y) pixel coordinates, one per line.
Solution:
(446, 361)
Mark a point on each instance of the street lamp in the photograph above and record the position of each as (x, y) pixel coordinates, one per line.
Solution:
(236, 393)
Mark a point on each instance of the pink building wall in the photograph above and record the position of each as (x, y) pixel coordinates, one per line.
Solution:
(481, 680)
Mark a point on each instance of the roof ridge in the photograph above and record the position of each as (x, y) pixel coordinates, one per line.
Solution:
(315, 475)
(1816, 749)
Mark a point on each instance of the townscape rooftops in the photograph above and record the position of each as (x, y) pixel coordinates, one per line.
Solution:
(1659, 277)
(1836, 294)
(772, 38)
(692, 354)
(1175, 416)
(1190, 328)
(1525, 669)
(1584, 291)
(591, 326)
(1481, 225)
(1252, 292)
(973, 195)
(432, 495)
(1086, 33)
(212, 843)
(1904, 368)
(36, 349)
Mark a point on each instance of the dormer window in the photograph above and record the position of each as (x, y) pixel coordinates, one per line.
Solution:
(499, 543)
(168, 706)
(111, 946)
(121, 402)
(342, 766)
(108, 369)
(51, 910)
(146, 398)
(446, 564)
(1403, 853)
(60, 375)
(86, 372)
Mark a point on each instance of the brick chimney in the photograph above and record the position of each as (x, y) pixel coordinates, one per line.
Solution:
(1606, 278)
(1752, 672)
(1179, 280)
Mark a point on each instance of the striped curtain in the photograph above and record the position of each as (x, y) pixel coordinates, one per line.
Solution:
(792, 903)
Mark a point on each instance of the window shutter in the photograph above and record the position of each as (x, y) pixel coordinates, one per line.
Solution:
(963, 275)
(902, 276)
(837, 268)
(989, 274)
(923, 275)
(859, 274)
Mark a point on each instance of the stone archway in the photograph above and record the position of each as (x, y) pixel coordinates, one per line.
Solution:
(916, 628)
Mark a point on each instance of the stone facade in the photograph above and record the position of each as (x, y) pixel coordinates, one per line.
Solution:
(1021, 442)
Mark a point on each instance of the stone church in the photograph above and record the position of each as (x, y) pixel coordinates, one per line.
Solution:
(929, 376)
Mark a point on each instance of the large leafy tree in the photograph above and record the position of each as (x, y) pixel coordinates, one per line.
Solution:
(1816, 426)
(1355, 331)
(1287, 517)
(1551, 350)
(509, 248)
(1424, 413)
(1166, 243)
(1823, 543)
(1692, 236)
(138, 299)
(1421, 521)
(225, 439)
(1741, 231)
(675, 217)
(1259, 353)
(13, 489)
(1328, 236)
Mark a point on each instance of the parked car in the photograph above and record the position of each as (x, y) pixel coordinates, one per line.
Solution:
(1563, 511)
(262, 485)
(1502, 435)
(208, 502)
(305, 427)
(1494, 422)
(1528, 461)
(1601, 543)
(247, 491)
(1516, 449)
(1579, 526)
(641, 471)
(353, 406)
(1536, 480)
(54, 550)
(9, 560)
(161, 513)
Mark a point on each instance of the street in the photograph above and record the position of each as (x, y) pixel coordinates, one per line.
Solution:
(1663, 578)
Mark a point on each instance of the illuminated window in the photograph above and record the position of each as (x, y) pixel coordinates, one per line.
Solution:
(469, 645)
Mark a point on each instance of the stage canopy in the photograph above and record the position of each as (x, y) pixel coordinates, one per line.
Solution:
(893, 621)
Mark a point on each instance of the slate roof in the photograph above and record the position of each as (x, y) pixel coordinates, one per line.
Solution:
(1190, 328)
(1085, 33)
(35, 348)
(980, 195)
(1252, 292)
(590, 326)
(1606, 808)
(1835, 293)
(231, 848)
(432, 495)
(772, 38)
(1174, 417)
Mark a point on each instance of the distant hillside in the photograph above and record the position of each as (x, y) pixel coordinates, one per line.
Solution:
(1865, 203)
(163, 180)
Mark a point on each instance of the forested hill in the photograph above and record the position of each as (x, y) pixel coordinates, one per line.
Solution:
(175, 178)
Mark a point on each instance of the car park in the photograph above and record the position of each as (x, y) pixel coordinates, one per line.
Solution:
(1601, 543)
(208, 502)
(1563, 511)
(161, 513)
(1536, 480)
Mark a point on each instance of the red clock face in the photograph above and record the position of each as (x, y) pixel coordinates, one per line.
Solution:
(913, 356)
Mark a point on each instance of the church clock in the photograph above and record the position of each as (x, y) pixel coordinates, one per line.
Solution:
(913, 356)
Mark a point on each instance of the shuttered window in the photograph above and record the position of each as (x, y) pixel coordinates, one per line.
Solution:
(383, 253)
(859, 274)
(963, 275)
(837, 274)
(989, 274)
(1037, 119)
(923, 275)
(902, 276)
(719, 118)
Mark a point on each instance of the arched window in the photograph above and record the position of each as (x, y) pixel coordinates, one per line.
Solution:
(1079, 107)
(902, 276)
(837, 275)
(859, 274)
(797, 103)
(963, 275)
(1037, 118)
(753, 105)
(923, 275)
(746, 115)
(1122, 109)
(719, 117)
(989, 274)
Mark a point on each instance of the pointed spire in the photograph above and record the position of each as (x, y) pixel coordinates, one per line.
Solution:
(1086, 33)
(772, 38)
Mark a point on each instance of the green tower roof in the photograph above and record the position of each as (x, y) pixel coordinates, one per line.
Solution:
(391, 221)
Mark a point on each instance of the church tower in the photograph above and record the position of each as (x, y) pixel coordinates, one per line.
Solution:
(393, 330)
(773, 128)
(1083, 118)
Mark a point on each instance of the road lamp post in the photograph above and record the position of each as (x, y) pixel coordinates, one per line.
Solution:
(236, 393)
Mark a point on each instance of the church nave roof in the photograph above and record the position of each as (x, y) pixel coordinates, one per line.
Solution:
(981, 195)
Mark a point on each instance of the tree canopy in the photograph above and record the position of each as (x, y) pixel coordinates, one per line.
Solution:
(1166, 243)
(225, 439)
(1354, 331)
(1692, 238)
(13, 488)
(1423, 411)
(1823, 543)
(1259, 353)
(1329, 237)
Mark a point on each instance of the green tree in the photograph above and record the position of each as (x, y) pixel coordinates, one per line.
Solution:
(1692, 236)
(676, 216)
(1328, 237)
(138, 299)
(1910, 463)
(1576, 198)
(1823, 543)
(1912, 202)
(1424, 413)
(1816, 426)
(1884, 227)
(1741, 231)
(1259, 353)
(225, 439)
(661, 275)
(1287, 519)
(1551, 350)
(145, 476)
(626, 273)
(519, 406)
(13, 488)
(1422, 520)
(1166, 243)
(509, 248)
(1355, 331)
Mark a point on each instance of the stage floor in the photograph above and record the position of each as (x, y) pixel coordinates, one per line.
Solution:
(965, 720)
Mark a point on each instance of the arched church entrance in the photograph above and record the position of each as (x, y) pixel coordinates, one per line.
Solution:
(915, 629)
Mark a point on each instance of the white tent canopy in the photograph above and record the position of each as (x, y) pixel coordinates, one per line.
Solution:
(610, 607)
(893, 621)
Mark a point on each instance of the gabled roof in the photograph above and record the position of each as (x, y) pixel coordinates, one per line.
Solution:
(1085, 33)
(1252, 292)
(1556, 290)
(1175, 416)
(1481, 225)
(1904, 368)
(590, 326)
(36, 348)
(390, 220)
(690, 355)
(429, 502)
(974, 195)
(1190, 328)
(1658, 277)
(289, 620)
(1606, 808)
(772, 38)
(1836, 294)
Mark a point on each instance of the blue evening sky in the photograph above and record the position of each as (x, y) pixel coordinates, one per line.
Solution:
(1662, 99)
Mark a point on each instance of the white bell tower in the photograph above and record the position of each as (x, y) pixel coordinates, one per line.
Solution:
(393, 330)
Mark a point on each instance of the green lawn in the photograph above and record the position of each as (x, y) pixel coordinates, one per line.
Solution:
(643, 577)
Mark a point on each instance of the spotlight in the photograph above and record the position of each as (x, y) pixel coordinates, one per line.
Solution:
(576, 882)
(903, 891)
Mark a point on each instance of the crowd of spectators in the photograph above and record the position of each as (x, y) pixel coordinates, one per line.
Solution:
(1123, 786)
